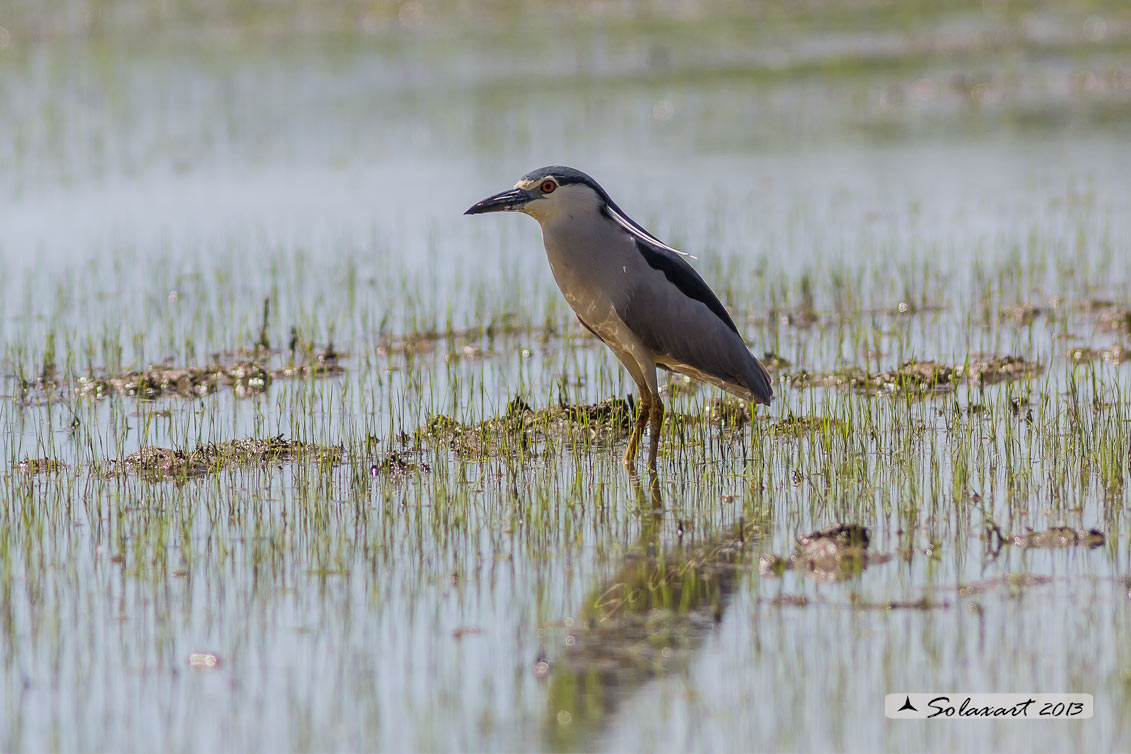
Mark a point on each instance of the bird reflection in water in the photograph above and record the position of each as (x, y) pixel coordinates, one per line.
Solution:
(646, 621)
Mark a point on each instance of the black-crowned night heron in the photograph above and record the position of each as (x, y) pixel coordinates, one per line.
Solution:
(634, 292)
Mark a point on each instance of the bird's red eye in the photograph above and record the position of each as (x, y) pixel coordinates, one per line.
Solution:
(548, 186)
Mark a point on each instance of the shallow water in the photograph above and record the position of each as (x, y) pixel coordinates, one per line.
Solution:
(863, 188)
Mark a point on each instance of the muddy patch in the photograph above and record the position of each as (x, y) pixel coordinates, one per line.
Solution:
(986, 369)
(680, 385)
(1115, 320)
(799, 426)
(477, 342)
(855, 602)
(1015, 583)
(804, 315)
(521, 428)
(1055, 537)
(35, 466)
(920, 376)
(728, 412)
(1021, 315)
(774, 362)
(395, 464)
(835, 553)
(923, 603)
(246, 376)
(156, 463)
(848, 377)
(1060, 536)
(246, 372)
(1115, 354)
(724, 412)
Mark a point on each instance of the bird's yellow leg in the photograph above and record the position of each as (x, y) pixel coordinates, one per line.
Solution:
(638, 428)
(657, 417)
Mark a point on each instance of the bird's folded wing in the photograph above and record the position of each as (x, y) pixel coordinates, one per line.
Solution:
(679, 318)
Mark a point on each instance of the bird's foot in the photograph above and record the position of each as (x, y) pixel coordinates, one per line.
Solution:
(638, 429)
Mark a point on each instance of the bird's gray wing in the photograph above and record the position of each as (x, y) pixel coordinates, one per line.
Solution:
(677, 315)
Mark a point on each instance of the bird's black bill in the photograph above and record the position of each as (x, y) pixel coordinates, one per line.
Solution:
(513, 199)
